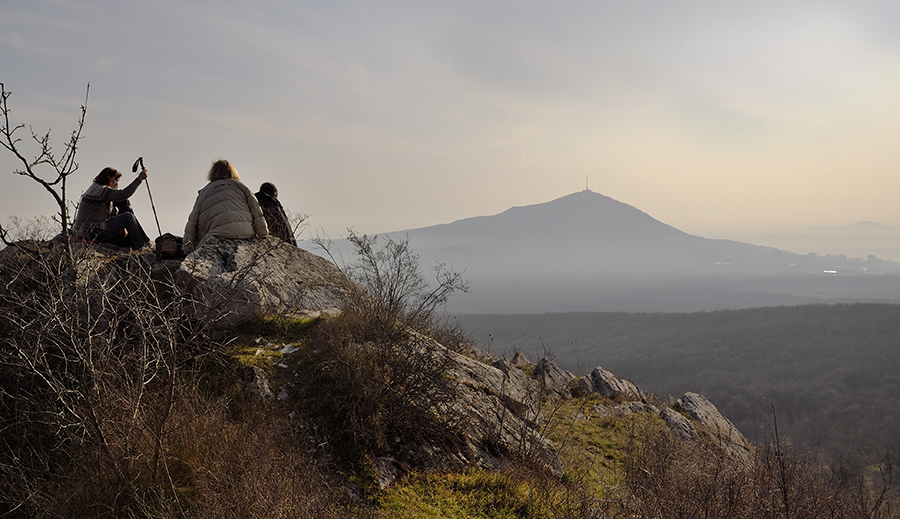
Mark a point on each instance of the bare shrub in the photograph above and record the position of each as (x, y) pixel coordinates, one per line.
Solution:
(665, 478)
(451, 335)
(250, 463)
(39, 228)
(668, 478)
(375, 381)
(59, 167)
(90, 364)
(378, 398)
(393, 293)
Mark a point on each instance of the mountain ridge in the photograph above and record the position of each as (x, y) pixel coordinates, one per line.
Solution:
(615, 207)
(588, 252)
(581, 232)
(567, 207)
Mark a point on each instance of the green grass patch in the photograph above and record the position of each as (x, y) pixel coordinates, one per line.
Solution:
(276, 329)
(257, 343)
(472, 494)
(592, 446)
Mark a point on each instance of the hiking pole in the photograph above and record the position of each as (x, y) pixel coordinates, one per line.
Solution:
(134, 169)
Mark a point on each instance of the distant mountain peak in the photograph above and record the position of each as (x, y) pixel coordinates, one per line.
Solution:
(867, 224)
(586, 197)
(571, 226)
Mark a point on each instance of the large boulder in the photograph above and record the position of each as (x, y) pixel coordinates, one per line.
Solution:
(608, 385)
(704, 413)
(240, 279)
(223, 283)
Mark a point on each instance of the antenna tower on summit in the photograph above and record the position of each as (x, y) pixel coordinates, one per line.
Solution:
(586, 188)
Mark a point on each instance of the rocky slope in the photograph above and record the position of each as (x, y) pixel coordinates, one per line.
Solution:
(503, 400)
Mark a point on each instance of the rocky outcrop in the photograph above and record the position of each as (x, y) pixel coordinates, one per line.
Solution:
(244, 278)
(606, 384)
(499, 400)
(503, 411)
(499, 407)
(555, 382)
(704, 413)
(679, 425)
(223, 283)
(687, 419)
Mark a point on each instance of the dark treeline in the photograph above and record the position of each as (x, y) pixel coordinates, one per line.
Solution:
(831, 371)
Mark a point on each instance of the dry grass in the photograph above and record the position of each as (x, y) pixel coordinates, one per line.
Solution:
(222, 459)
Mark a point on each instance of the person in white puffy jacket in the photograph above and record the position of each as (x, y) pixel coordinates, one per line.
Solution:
(225, 208)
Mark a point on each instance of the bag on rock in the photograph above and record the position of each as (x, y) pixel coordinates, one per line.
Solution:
(168, 246)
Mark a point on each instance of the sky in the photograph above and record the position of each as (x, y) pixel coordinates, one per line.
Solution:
(711, 116)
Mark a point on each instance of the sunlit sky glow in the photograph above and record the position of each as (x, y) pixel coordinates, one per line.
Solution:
(710, 116)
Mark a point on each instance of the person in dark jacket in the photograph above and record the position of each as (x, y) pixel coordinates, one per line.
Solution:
(276, 218)
(105, 215)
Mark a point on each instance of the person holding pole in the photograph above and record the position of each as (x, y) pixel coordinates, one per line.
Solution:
(104, 215)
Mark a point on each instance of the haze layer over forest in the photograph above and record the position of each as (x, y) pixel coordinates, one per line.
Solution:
(588, 252)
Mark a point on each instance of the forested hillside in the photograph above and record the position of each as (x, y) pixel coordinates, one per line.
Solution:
(831, 371)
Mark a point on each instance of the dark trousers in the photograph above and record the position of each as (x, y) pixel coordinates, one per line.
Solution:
(136, 237)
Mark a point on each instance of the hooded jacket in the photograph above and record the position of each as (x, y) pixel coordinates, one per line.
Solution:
(276, 218)
(225, 209)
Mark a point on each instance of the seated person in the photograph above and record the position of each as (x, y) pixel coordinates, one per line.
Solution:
(105, 215)
(276, 218)
(225, 208)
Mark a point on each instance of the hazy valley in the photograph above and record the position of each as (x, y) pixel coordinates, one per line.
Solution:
(859, 239)
(588, 252)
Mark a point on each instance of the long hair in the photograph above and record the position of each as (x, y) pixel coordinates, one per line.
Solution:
(105, 175)
(221, 170)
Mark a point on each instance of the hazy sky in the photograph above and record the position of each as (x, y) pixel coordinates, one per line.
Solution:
(400, 114)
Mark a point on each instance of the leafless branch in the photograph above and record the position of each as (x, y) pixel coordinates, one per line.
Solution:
(62, 166)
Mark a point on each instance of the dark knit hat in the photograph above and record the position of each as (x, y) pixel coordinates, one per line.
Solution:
(269, 189)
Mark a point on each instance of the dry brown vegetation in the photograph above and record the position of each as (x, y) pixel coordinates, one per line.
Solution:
(666, 479)
(101, 412)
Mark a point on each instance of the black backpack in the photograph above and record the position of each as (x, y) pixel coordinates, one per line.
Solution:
(168, 246)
